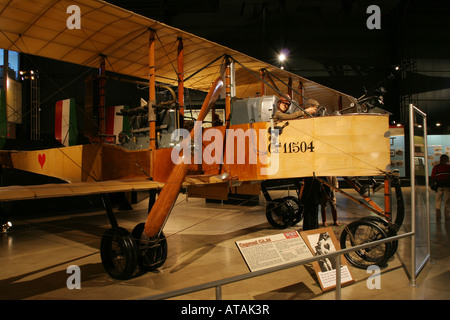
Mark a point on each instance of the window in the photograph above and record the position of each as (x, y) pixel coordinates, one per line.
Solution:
(13, 62)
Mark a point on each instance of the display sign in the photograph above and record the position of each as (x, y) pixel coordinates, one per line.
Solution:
(397, 148)
(271, 251)
(437, 145)
(275, 250)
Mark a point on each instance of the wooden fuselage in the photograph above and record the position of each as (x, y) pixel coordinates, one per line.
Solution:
(347, 145)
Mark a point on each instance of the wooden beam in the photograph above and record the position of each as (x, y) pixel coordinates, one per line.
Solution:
(227, 92)
(152, 99)
(101, 96)
(181, 79)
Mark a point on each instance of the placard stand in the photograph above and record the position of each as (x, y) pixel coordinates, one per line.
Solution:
(322, 241)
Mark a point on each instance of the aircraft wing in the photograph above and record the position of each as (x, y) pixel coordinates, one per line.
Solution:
(55, 190)
(40, 27)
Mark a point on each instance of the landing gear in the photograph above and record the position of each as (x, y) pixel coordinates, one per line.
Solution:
(122, 253)
(280, 213)
(284, 212)
(373, 228)
(362, 232)
(152, 252)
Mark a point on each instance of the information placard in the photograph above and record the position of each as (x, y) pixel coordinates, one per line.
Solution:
(271, 251)
(275, 250)
(322, 241)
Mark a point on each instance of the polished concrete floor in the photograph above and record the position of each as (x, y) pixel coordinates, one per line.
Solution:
(37, 252)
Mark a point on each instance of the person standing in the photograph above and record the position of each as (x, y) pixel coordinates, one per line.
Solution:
(311, 199)
(329, 197)
(441, 175)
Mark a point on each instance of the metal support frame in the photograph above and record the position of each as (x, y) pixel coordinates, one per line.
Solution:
(414, 270)
(35, 108)
(374, 207)
(109, 211)
(266, 185)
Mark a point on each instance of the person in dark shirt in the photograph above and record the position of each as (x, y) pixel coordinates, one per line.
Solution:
(441, 175)
(311, 199)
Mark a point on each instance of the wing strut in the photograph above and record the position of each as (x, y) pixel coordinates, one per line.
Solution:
(169, 193)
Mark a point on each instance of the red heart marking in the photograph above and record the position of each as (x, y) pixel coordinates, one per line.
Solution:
(41, 159)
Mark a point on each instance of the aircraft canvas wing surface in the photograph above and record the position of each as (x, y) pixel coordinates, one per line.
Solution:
(55, 190)
(40, 27)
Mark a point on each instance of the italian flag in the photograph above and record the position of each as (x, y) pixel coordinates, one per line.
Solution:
(66, 130)
(115, 123)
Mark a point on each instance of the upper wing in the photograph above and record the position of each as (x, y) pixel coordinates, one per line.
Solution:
(40, 27)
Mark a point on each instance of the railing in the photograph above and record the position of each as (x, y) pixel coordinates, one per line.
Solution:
(219, 283)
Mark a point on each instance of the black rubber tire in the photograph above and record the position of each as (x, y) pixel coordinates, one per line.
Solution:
(118, 253)
(361, 232)
(389, 229)
(298, 209)
(152, 253)
(280, 213)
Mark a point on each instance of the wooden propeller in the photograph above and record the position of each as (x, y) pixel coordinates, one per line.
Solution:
(169, 193)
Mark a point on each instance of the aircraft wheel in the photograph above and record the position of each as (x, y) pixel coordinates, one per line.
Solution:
(361, 232)
(280, 213)
(298, 208)
(387, 228)
(152, 252)
(118, 253)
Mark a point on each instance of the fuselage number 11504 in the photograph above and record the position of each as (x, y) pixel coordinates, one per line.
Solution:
(294, 147)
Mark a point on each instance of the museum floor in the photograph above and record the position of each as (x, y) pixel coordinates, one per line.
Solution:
(201, 236)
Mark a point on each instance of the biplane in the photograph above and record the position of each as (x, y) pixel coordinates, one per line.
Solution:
(249, 150)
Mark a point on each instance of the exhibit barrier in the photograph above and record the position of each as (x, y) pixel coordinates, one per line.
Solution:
(420, 198)
(333, 255)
